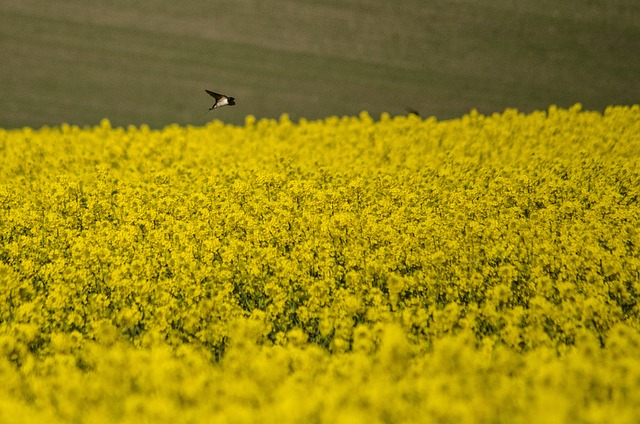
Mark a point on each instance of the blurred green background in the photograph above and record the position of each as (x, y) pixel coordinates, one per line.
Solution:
(78, 61)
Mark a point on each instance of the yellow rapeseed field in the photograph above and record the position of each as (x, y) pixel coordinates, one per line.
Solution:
(398, 270)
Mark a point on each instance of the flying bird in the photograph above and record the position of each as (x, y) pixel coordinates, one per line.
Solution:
(221, 100)
(412, 111)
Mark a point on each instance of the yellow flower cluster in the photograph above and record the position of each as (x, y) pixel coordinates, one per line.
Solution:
(479, 270)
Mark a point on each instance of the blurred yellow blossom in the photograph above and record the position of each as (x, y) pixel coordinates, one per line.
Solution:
(484, 269)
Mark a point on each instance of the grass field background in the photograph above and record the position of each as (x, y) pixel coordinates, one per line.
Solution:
(80, 61)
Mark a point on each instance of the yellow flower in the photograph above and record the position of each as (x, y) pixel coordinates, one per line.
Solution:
(480, 269)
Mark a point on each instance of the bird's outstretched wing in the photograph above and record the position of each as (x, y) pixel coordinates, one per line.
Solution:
(214, 95)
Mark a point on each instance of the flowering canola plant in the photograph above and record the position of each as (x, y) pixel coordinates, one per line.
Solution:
(479, 270)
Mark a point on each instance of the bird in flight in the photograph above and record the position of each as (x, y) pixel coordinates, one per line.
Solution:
(221, 100)
(412, 111)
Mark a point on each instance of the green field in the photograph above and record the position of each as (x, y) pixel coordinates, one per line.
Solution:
(149, 62)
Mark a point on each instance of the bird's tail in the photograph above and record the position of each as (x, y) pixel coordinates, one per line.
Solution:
(208, 110)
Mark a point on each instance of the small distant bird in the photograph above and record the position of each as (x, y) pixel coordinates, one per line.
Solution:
(221, 100)
(412, 111)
